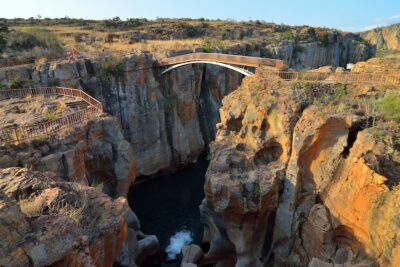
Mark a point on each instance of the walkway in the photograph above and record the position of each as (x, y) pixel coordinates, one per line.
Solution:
(49, 128)
(333, 77)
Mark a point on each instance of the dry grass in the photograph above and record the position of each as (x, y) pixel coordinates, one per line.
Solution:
(31, 206)
(35, 205)
(159, 47)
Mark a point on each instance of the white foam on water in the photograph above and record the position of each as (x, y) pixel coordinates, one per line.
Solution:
(177, 242)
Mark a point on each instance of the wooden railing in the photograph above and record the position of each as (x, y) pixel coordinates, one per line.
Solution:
(24, 92)
(46, 129)
(335, 77)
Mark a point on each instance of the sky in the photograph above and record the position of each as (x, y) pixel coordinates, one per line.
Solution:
(347, 15)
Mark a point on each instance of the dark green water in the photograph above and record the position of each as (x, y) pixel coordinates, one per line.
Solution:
(168, 204)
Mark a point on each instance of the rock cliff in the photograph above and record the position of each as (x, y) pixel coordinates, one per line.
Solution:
(59, 219)
(385, 37)
(298, 178)
(169, 119)
(94, 154)
(47, 221)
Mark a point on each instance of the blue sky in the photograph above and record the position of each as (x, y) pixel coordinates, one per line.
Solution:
(349, 15)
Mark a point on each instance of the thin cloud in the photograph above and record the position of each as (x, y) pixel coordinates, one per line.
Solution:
(395, 17)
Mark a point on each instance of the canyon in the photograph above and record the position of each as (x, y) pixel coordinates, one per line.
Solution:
(294, 179)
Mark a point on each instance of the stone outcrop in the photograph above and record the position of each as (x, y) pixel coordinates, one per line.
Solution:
(95, 154)
(248, 160)
(384, 37)
(296, 181)
(48, 221)
(335, 51)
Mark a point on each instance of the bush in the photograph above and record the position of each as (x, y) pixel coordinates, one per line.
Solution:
(39, 142)
(23, 41)
(16, 84)
(389, 107)
(339, 92)
(288, 36)
(112, 67)
(55, 82)
(50, 115)
(297, 49)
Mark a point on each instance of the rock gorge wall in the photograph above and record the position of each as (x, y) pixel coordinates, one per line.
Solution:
(60, 219)
(336, 50)
(292, 183)
(95, 153)
(169, 120)
(385, 37)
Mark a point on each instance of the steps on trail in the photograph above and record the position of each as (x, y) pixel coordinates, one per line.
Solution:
(77, 104)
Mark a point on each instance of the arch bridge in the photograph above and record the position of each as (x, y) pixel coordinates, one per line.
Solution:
(233, 62)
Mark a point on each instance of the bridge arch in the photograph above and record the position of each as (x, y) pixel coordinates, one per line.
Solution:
(238, 69)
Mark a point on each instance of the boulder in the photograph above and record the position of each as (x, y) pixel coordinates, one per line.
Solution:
(191, 254)
(148, 249)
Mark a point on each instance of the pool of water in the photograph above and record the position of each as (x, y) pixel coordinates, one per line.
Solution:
(170, 203)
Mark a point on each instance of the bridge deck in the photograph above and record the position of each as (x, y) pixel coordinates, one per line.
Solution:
(224, 58)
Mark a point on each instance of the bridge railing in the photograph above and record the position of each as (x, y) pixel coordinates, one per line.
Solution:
(45, 129)
(224, 58)
(49, 128)
(335, 77)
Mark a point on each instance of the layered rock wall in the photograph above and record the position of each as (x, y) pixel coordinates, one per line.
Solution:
(293, 180)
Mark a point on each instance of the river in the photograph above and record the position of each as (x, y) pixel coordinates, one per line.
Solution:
(170, 204)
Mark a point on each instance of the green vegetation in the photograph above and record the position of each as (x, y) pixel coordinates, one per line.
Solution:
(112, 67)
(39, 142)
(50, 115)
(55, 82)
(256, 192)
(29, 42)
(389, 106)
(16, 84)
(323, 38)
(98, 185)
(339, 92)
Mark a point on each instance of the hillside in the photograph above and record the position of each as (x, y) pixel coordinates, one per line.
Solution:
(48, 38)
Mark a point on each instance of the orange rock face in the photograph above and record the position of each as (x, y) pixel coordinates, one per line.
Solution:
(328, 186)
(364, 207)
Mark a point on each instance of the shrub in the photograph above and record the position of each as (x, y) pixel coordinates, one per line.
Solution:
(288, 36)
(50, 115)
(39, 142)
(339, 92)
(389, 107)
(113, 68)
(297, 49)
(207, 47)
(55, 82)
(15, 84)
